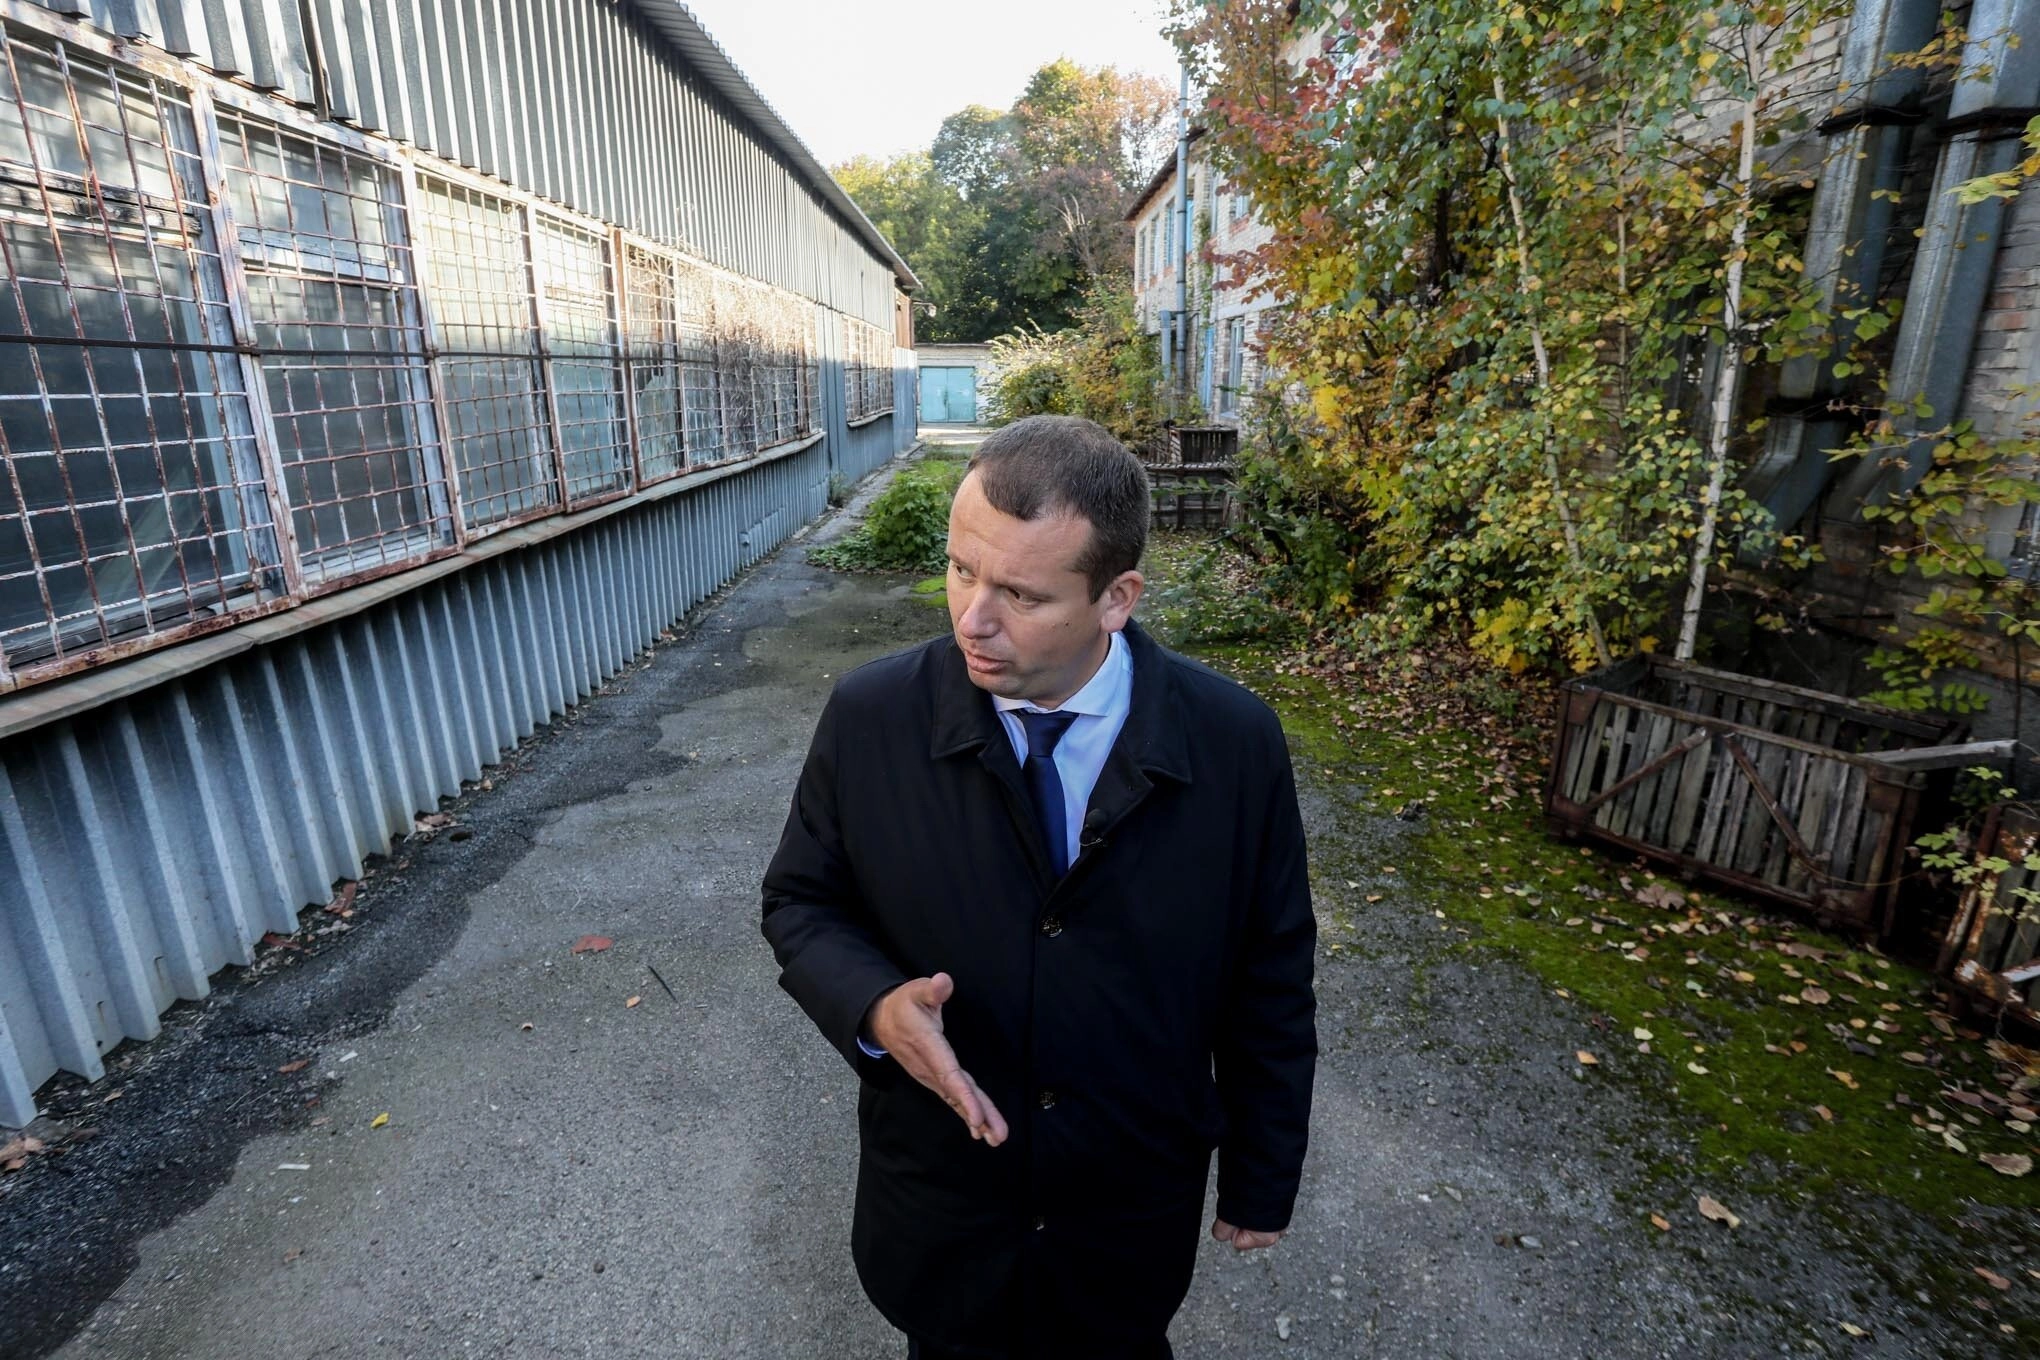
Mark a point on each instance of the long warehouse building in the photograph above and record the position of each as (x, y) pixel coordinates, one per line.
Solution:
(377, 377)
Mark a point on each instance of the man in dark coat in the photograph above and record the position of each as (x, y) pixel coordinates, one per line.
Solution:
(1043, 885)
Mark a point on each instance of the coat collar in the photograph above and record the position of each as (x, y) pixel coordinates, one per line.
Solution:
(1154, 738)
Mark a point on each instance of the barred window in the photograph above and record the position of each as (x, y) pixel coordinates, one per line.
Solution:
(700, 379)
(738, 342)
(478, 281)
(651, 343)
(867, 369)
(332, 294)
(131, 498)
(575, 291)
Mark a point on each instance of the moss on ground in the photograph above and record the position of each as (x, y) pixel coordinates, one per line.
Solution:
(1795, 1060)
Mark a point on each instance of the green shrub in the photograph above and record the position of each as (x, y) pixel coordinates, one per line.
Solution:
(907, 528)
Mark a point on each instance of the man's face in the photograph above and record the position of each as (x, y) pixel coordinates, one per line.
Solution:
(1022, 612)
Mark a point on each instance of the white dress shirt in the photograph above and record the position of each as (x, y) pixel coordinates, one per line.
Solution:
(1101, 707)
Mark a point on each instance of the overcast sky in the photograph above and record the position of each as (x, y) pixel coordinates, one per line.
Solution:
(874, 77)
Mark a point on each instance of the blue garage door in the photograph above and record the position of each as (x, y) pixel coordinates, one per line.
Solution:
(948, 396)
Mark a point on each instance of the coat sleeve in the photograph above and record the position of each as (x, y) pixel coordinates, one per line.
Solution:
(819, 926)
(1266, 1054)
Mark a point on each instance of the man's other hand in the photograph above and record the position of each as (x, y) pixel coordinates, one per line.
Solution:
(1242, 1239)
(907, 1023)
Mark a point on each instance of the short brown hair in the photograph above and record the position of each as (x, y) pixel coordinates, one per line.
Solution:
(1066, 465)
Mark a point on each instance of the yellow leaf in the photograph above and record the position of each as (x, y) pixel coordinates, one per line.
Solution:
(1845, 1078)
(1587, 1059)
(632, 1002)
(1719, 1212)
(1660, 1222)
(379, 1120)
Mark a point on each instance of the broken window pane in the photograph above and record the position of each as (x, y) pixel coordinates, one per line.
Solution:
(131, 501)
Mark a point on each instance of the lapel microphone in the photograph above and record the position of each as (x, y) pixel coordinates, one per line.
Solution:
(1094, 823)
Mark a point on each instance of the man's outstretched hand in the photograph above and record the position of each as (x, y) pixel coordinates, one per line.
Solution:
(907, 1023)
(1242, 1239)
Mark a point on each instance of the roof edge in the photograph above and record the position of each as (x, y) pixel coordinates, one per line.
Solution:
(1161, 177)
(693, 41)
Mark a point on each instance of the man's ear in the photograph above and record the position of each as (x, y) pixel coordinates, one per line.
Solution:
(1119, 599)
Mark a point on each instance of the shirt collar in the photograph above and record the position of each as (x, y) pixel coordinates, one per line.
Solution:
(1102, 695)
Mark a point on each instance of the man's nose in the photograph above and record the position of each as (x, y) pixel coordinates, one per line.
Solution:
(980, 617)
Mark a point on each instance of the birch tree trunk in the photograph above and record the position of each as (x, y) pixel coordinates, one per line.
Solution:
(1528, 280)
(1728, 376)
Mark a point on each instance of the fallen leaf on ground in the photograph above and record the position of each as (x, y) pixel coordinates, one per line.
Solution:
(1825, 1113)
(1992, 1278)
(525, 1026)
(379, 1120)
(1845, 1078)
(2007, 1163)
(1696, 1069)
(1661, 895)
(592, 944)
(15, 1155)
(1719, 1212)
(1660, 1222)
(1853, 1330)
(1642, 1034)
(300, 1065)
(1587, 1059)
(632, 1002)
(1814, 996)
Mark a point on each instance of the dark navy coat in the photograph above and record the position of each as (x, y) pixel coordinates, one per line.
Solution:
(1151, 1007)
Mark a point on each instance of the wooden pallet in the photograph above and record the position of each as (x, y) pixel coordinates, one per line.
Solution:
(1767, 788)
(1992, 949)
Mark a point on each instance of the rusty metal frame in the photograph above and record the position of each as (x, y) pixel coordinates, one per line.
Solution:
(610, 267)
(114, 212)
(434, 300)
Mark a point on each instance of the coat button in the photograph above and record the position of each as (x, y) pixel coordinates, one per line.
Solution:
(1048, 1100)
(1051, 926)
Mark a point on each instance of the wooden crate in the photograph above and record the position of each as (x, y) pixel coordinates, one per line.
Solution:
(1192, 498)
(1992, 950)
(1786, 793)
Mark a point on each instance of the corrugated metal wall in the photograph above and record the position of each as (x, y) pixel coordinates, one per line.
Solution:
(580, 101)
(146, 845)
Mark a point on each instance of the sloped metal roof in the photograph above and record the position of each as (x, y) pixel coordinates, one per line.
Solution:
(705, 54)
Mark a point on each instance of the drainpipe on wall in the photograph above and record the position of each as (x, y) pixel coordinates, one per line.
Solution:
(1994, 96)
(1183, 366)
(1869, 140)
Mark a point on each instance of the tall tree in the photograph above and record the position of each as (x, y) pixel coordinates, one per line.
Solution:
(932, 225)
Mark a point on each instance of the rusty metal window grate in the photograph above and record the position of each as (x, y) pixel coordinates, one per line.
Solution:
(333, 301)
(132, 503)
(478, 283)
(651, 342)
(867, 369)
(738, 339)
(575, 301)
(700, 378)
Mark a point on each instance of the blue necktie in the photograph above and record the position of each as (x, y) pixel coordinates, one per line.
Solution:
(1044, 785)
